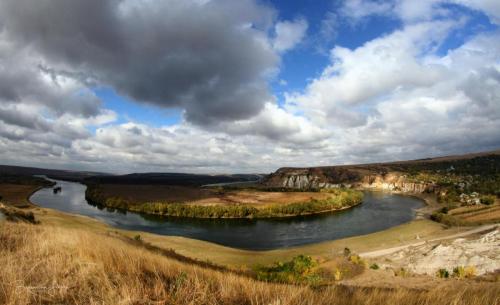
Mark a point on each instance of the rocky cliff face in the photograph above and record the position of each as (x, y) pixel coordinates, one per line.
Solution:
(317, 178)
(395, 182)
(306, 182)
(392, 176)
(310, 178)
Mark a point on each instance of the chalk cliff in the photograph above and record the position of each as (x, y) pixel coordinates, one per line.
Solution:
(334, 177)
(396, 182)
(311, 178)
(401, 176)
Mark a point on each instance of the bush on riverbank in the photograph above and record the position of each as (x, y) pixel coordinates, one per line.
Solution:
(447, 219)
(300, 270)
(339, 199)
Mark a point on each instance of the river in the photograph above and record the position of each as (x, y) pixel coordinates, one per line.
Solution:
(379, 211)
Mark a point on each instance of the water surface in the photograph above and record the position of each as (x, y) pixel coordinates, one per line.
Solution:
(379, 211)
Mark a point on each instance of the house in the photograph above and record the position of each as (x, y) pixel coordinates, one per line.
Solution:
(471, 199)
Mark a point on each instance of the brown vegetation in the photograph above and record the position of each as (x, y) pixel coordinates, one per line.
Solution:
(486, 214)
(46, 265)
(469, 215)
(202, 196)
(17, 194)
(260, 199)
(16, 214)
(227, 204)
(153, 193)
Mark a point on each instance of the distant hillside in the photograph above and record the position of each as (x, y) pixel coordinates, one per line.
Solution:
(178, 179)
(478, 170)
(8, 170)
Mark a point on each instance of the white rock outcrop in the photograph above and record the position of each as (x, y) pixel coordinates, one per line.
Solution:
(482, 253)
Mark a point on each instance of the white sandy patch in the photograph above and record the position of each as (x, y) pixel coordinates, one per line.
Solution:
(483, 253)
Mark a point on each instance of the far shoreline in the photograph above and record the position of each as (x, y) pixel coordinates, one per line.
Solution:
(339, 200)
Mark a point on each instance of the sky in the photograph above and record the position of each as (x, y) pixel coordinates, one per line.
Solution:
(222, 86)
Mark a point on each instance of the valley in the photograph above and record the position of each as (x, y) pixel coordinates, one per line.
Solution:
(389, 261)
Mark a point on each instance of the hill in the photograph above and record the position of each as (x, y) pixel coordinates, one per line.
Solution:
(472, 172)
(178, 179)
(50, 265)
(68, 175)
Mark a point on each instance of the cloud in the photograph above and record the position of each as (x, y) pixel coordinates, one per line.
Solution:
(396, 98)
(358, 9)
(36, 105)
(410, 11)
(289, 34)
(369, 72)
(212, 59)
(278, 125)
(490, 7)
(24, 80)
(328, 30)
(209, 58)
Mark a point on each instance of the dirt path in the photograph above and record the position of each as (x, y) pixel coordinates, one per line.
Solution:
(387, 251)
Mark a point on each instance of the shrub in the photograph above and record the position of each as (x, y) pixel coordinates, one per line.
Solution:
(445, 210)
(401, 272)
(464, 272)
(356, 259)
(137, 237)
(301, 269)
(447, 219)
(337, 275)
(347, 252)
(443, 273)
(374, 266)
(488, 200)
(470, 271)
(459, 272)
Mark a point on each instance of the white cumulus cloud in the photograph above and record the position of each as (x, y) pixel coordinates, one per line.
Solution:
(289, 34)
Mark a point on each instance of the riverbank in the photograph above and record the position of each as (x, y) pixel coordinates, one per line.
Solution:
(242, 204)
(379, 212)
(237, 258)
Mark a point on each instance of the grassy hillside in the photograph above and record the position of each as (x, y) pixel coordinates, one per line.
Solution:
(48, 265)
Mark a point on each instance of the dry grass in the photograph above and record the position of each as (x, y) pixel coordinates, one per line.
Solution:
(17, 194)
(203, 196)
(470, 209)
(477, 214)
(15, 214)
(49, 265)
(153, 193)
(492, 215)
(260, 199)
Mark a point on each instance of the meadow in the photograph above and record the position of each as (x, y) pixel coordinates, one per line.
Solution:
(45, 264)
(220, 203)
